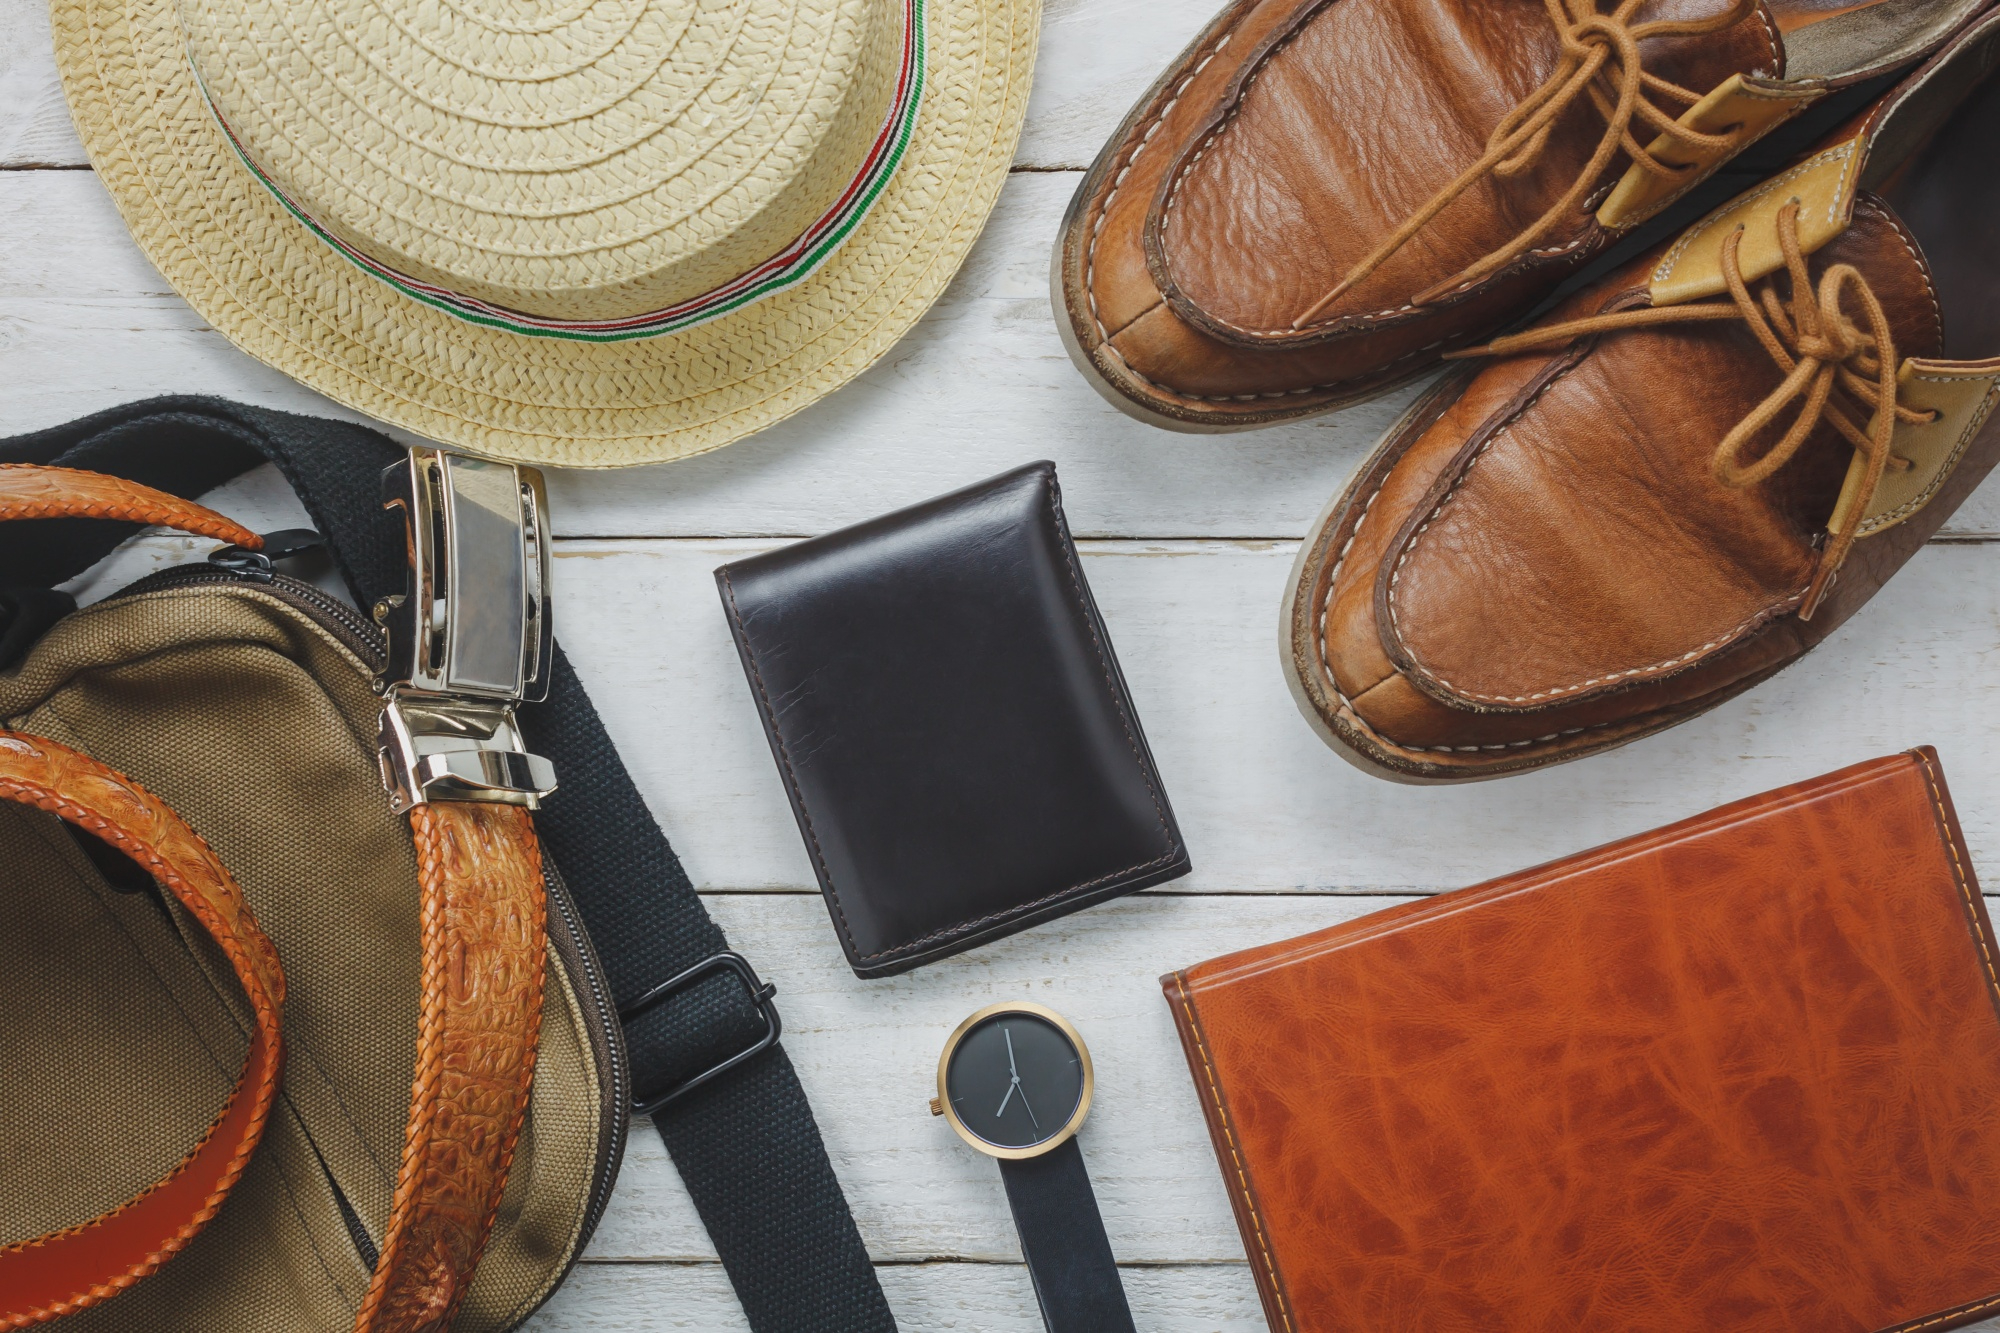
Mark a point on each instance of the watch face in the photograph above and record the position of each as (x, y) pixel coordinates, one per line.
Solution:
(1015, 1080)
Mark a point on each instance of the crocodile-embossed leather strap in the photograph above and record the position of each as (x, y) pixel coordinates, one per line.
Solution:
(485, 946)
(485, 943)
(29, 491)
(70, 1270)
(746, 1144)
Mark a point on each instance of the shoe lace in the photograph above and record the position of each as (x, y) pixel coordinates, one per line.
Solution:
(1836, 369)
(1599, 60)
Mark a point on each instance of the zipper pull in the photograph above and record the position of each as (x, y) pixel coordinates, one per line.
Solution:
(256, 565)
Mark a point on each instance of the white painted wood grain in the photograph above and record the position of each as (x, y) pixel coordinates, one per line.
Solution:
(867, 1053)
(1264, 806)
(980, 385)
(1097, 56)
(1196, 533)
(926, 1298)
(35, 128)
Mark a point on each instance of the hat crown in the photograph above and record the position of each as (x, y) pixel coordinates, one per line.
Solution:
(576, 160)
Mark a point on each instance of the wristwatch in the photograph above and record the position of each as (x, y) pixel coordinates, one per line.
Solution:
(1015, 1082)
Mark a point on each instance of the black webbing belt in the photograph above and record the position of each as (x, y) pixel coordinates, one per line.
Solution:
(745, 1141)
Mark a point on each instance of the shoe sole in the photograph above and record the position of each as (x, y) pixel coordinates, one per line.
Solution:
(1110, 393)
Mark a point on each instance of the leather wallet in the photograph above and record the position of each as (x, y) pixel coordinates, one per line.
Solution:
(952, 728)
(1739, 1073)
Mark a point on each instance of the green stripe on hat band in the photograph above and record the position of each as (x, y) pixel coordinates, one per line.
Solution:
(815, 245)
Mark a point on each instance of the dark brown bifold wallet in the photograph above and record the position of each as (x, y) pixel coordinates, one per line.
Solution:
(1742, 1073)
(951, 725)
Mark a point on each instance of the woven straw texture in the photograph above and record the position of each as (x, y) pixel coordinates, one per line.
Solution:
(696, 137)
(562, 163)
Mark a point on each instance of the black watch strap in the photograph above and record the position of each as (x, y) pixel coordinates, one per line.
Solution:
(1063, 1240)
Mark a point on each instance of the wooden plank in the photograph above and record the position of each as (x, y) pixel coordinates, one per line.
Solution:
(35, 129)
(926, 1298)
(984, 1298)
(1265, 807)
(980, 385)
(867, 1054)
(1096, 59)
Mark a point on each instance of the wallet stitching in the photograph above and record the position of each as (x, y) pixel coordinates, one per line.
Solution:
(959, 929)
(1097, 646)
(1235, 1153)
(1993, 980)
(785, 757)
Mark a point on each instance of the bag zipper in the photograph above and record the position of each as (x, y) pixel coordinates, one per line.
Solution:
(355, 631)
(607, 1043)
(366, 640)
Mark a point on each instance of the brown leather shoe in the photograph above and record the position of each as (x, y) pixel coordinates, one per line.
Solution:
(1322, 197)
(1685, 478)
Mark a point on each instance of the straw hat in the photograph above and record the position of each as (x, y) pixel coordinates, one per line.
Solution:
(583, 233)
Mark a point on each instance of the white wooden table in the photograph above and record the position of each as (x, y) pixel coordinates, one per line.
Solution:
(1186, 542)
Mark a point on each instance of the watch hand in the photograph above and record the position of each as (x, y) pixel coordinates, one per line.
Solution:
(1024, 1105)
(1013, 1088)
(1008, 1033)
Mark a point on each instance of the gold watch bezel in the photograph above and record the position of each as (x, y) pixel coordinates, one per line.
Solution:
(1062, 1136)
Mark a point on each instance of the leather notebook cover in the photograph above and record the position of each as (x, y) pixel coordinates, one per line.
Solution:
(950, 723)
(1739, 1073)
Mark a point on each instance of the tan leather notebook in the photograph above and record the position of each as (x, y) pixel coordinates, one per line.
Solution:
(1738, 1073)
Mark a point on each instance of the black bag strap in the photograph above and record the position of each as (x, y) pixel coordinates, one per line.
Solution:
(745, 1142)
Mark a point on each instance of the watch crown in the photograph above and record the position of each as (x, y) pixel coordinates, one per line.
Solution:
(937, 1106)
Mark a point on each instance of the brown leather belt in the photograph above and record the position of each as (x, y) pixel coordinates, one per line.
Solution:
(70, 1270)
(744, 1142)
(484, 949)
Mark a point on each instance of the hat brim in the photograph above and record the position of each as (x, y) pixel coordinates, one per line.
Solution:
(276, 290)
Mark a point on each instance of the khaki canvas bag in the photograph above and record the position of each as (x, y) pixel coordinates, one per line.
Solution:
(368, 802)
(284, 1052)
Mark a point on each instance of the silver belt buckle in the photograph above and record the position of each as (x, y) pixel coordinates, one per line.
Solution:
(470, 636)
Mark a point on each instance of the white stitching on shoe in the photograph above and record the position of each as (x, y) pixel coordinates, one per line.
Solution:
(1557, 691)
(1769, 71)
(1221, 128)
(1674, 256)
(1354, 714)
(1664, 665)
(1104, 335)
(1916, 257)
(1118, 183)
(1268, 393)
